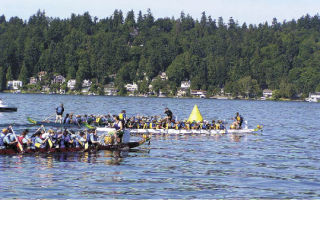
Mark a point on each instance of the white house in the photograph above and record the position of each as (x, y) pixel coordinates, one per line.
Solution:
(313, 97)
(14, 85)
(72, 84)
(131, 87)
(86, 83)
(185, 85)
(267, 93)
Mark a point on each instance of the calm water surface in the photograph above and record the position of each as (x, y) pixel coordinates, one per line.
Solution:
(281, 163)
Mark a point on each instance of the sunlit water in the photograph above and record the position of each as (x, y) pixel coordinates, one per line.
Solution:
(282, 162)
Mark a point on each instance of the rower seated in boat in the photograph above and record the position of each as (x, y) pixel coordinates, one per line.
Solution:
(93, 137)
(10, 140)
(64, 140)
(3, 134)
(118, 125)
(24, 140)
(38, 142)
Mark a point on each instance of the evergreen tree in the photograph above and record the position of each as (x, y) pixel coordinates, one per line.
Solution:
(23, 76)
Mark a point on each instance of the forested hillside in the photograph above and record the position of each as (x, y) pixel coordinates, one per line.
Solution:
(213, 54)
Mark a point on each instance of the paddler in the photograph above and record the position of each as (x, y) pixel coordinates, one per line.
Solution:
(10, 140)
(169, 114)
(2, 136)
(239, 120)
(38, 141)
(59, 113)
(23, 139)
(118, 125)
(123, 117)
(93, 137)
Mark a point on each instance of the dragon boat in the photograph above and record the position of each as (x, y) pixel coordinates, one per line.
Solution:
(208, 132)
(54, 124)
(110, 147)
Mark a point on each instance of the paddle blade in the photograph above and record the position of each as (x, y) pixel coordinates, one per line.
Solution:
(50, 143)
(31, 121)
(20, 147)
(88, 126)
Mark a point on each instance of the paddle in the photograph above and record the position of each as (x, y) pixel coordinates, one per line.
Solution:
(48, 117)
(19, 144)
(31, 120)
(88, 126)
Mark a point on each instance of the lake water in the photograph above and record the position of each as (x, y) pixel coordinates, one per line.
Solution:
(282, 162)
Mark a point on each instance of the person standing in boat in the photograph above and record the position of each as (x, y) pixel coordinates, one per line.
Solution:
(59, 113)
(169, 114)
(239, 120)
(118, 125)
(123, 117)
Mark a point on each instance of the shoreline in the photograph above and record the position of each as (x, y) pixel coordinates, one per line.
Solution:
(153, 96)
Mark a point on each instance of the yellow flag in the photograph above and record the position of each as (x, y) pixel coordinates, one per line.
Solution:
(195, 115)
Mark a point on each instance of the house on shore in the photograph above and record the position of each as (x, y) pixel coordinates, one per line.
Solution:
(131, 87)
(267, 93)
(184, 88)
(110, 90)
(72, 84)
(198, 93)
(313, 97)
(59, 79)
(33, 80)
(14, 84)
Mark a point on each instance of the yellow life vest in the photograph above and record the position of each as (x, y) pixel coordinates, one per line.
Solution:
(37, 145)
(217, 126)
(107, 140)
(238, 118)
(121, 116)
(98, 120)
(145, 126)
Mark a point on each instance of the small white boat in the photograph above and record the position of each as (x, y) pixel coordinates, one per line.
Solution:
(6, 108)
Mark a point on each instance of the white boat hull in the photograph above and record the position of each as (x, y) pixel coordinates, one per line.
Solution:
(182, 131)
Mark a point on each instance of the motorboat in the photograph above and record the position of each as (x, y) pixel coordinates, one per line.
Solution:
(6, 108)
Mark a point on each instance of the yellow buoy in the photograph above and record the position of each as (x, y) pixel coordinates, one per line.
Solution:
(195, 115)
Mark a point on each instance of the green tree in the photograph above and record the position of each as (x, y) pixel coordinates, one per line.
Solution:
(9, 76)
(2, 80)
(23, 76)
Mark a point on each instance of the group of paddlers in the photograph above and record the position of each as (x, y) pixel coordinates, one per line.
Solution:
(143, 122)
(54, 139)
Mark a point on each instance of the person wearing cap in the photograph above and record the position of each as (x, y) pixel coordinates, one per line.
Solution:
(2, 136)
(10, 140)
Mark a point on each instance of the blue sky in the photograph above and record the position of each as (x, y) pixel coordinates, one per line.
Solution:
(249, 11)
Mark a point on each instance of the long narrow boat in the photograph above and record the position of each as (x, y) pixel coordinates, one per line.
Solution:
(53, 124)
(113, 147)
(186, 132)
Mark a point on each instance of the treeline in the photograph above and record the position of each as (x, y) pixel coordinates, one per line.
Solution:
(213, 54)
